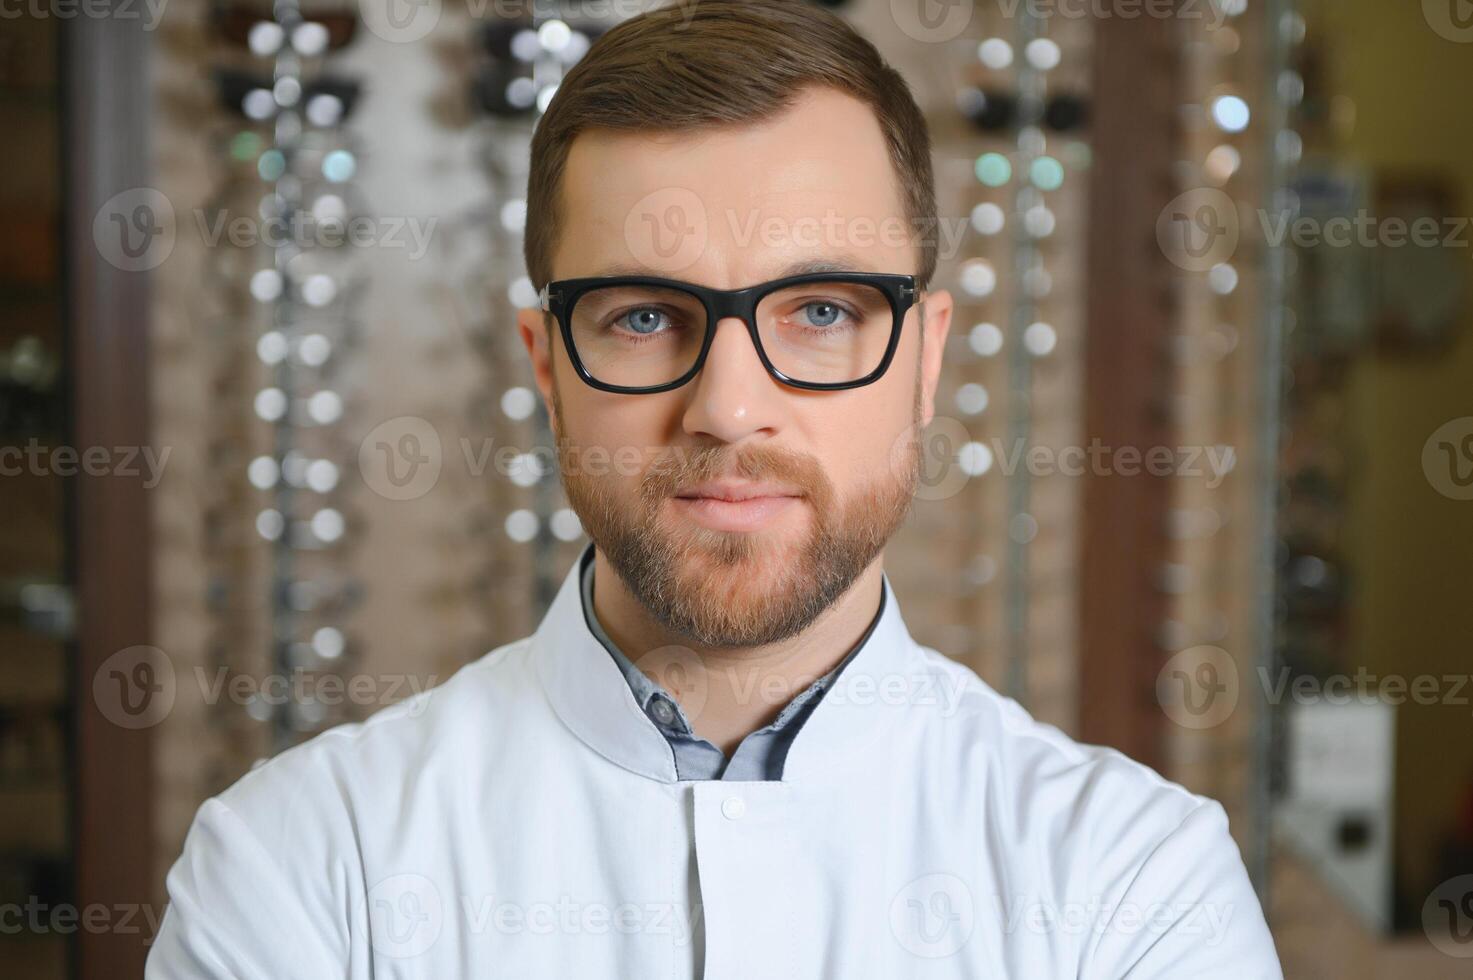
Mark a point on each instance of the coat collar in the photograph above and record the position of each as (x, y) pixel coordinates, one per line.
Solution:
(593, 699)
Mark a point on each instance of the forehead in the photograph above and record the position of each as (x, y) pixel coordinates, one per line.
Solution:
(734, 205)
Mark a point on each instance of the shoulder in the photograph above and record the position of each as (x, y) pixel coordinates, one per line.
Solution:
(269, 864)
(366, 765)
(1038, 784)
(994, 730)
(1089, 826)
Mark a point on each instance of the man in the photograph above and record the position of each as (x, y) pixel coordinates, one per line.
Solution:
(721, 754)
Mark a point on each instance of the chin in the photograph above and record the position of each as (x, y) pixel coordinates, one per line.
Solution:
(742, 552)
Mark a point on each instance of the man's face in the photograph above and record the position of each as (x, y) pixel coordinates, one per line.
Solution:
(834, 471)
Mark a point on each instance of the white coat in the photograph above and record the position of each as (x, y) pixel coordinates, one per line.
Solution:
(524, 820)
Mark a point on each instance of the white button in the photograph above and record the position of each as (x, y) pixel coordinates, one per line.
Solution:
(663, 713)
(733, 807)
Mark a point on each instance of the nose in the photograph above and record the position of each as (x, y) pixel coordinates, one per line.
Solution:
(733, 397)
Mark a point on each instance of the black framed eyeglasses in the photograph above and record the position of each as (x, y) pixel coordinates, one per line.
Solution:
(822, 331)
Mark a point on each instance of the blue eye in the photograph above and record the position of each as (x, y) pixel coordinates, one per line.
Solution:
(827, 313)
(643, 321)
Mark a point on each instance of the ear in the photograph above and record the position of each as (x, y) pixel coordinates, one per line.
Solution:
(532, 324)
(935, 325)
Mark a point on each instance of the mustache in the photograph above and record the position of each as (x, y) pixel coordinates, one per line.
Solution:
(674, 470)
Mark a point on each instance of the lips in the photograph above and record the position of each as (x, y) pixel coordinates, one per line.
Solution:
(736, 506)
(736, 492)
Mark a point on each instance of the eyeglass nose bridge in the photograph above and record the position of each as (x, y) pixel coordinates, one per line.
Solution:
(737, 304)
(740, 304)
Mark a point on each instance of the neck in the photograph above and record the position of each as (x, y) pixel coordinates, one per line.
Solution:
(744, 687)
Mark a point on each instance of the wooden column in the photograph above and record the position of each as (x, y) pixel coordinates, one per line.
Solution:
(1135, 100)
(105, 151)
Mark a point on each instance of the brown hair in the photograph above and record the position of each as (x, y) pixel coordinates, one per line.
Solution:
(705, 63)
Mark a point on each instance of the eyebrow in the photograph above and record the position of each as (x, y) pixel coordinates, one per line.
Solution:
(803, 267)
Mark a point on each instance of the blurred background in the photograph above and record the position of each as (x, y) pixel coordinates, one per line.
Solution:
(1200, 484)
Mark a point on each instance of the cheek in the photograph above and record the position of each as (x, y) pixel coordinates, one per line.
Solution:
(888, 407)
(860, 436)
(615, 436)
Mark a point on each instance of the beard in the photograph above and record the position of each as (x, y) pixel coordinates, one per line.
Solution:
(723, 589)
